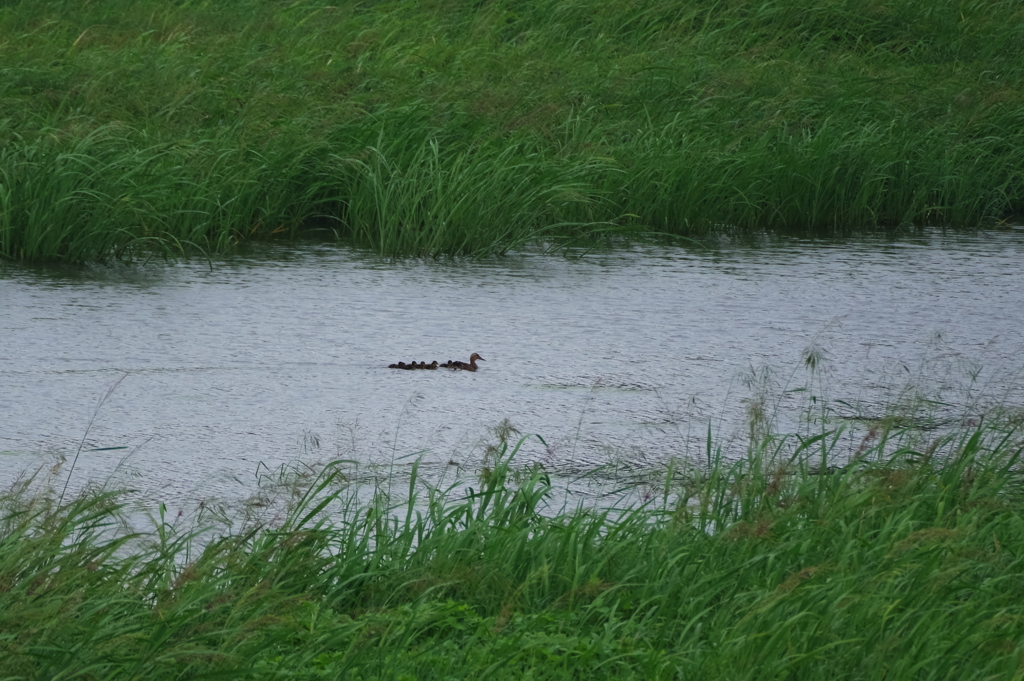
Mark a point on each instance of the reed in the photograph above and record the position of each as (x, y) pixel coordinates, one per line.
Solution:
(467, 128)
(900, 564)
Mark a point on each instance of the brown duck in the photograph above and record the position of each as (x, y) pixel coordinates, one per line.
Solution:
(471, 366)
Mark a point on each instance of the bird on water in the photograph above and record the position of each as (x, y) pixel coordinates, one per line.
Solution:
(468, 367)
(464, 366)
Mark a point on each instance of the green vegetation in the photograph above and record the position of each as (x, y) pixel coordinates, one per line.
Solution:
(443, 126)
(904, 564)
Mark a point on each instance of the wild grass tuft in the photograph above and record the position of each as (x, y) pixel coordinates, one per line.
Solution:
(900, 564)
(468, 128)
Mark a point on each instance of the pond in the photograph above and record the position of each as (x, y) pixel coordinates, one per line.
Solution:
(625, 357)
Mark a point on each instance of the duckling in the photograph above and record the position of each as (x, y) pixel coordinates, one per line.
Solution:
(432, 365)
(468, 367)
(400, 365)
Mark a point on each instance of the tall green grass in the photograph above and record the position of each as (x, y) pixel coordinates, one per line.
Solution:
(902, 564)
(471, 128)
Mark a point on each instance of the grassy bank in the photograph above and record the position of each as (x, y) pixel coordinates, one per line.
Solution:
(904, 564)
(471, 128)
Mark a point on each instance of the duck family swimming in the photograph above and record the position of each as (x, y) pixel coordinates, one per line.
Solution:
(456, 365)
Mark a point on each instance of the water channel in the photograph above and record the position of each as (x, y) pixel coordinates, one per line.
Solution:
(625, 357)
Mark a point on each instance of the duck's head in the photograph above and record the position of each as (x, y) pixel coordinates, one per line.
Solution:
(474, 357)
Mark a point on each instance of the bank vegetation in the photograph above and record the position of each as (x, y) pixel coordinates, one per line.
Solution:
(471, 128)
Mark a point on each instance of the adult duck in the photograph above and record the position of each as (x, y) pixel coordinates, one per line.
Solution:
(468, 367)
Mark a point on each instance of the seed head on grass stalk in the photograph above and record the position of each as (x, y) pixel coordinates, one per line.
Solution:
(85, 435)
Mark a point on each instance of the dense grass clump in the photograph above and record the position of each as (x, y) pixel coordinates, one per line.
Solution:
(899, 565)
(473, 127)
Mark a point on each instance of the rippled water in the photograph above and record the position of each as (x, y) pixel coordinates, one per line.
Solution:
(626, 356)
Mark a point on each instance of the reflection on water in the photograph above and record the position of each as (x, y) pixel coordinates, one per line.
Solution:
(624, 356)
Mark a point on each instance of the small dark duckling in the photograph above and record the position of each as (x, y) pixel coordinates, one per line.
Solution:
(468, 367)
(400, 365)
(432, 365)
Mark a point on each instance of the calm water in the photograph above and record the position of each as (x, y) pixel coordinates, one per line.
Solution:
(623, 357)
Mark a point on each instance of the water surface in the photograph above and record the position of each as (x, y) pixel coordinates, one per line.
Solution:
(627, 356)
